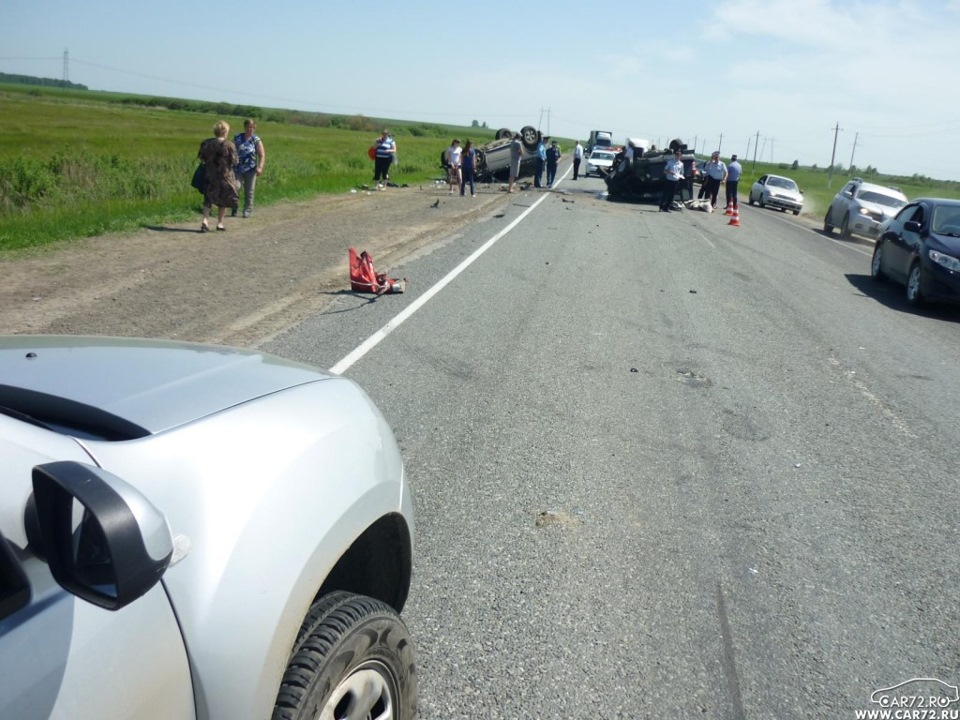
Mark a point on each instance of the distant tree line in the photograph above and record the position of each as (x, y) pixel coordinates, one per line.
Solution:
(46, 82)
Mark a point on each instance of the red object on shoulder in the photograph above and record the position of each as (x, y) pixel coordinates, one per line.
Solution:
(363, 278)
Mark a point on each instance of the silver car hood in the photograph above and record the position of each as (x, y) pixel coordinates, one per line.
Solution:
(154, 384)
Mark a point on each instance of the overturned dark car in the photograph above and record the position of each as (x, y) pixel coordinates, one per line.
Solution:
(642, 178)
(493, 158)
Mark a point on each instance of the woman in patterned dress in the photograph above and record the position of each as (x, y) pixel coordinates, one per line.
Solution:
(219, 156)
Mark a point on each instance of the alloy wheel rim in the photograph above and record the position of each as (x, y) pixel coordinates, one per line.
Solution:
(367, 693)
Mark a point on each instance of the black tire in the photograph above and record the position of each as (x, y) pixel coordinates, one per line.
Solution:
(760, 201)
(796, 212)
(876, 269)
(750, 198)
(827, 223)
(504, 133)
(914, 289)
(845, 226)
(349, 643)
(530, 136)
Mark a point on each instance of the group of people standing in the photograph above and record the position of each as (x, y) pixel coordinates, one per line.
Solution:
(716, 172)
(547, 159)
(461, 167)
(230, 165)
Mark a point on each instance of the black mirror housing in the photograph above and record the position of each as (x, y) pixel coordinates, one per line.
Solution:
(122, 544)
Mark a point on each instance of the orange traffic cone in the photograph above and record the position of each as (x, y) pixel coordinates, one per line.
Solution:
(728, 210)
(735, 218)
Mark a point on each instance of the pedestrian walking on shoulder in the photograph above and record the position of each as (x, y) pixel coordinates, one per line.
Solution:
(516, 155)
(553, 159)
(468, 164)
(251, 158)
(577, 159)
(672, 175)
(453, 165)
(734, 171)
(541, 162)
(219, 157)
(716, 173)
(386, 149)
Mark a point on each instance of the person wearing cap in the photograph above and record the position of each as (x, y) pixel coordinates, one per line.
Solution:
(541, 162)
(734, 171)
(716, 171)
(672, 175)
(553, 159)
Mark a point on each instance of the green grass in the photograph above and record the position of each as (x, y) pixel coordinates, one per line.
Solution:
(76, 164)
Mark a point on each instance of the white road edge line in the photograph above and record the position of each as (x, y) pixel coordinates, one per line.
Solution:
(371, 342)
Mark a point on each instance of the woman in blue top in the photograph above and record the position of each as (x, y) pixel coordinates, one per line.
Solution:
(251, 156)
(468, 164)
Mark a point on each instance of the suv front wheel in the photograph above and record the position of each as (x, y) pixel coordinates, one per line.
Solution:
(827, 223)
(353, 659)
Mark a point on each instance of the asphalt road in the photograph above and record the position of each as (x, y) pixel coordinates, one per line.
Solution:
(664, 466)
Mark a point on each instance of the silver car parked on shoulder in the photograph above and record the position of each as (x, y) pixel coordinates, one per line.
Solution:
(192, 531)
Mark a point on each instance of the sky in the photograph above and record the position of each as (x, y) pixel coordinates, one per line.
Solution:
(777, 80)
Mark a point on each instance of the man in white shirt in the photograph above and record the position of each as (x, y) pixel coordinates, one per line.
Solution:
(577, 158)
(672, 175)
(716, 172)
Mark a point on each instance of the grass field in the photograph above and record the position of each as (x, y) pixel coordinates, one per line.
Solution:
(77, 163)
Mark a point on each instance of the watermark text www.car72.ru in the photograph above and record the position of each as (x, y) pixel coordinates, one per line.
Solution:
(916, 699)
(909, 714)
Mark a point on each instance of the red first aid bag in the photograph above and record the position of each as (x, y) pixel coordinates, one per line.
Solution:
(363, 278)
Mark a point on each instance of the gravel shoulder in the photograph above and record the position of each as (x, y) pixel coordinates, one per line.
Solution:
(239, 287)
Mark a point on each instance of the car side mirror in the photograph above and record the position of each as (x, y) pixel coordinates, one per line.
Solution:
(911, 226)
(103, 540)
(848, 193)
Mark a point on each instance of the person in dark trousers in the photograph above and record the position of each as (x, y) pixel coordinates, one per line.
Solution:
(553, 159)
(734, 171)
(577, 159)
(516, 156)
(468, 163)
(716, 173)
(385, 148)
(672, 175)
(541, 162)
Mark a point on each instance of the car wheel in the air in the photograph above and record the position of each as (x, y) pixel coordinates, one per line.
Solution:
(353, 658)
(530, 136)
(914, 291)
(876, 265)
(827, 223)
(845, 226)
(504, 133)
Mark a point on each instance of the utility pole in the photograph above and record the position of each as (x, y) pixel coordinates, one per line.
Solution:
(771, 150)
(855, 138)
(833, 155)
(720, 145)
(66, 65)
(747, 153)
(755, 144)
(548, 121)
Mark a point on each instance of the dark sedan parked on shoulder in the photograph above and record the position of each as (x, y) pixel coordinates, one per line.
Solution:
(920, 248)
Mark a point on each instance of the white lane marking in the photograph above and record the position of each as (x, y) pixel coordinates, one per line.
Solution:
(375, 339)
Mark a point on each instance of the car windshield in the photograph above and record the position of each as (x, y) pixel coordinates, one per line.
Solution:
(946, 220)
(881, 199)
(780, 182)
(601, 156)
